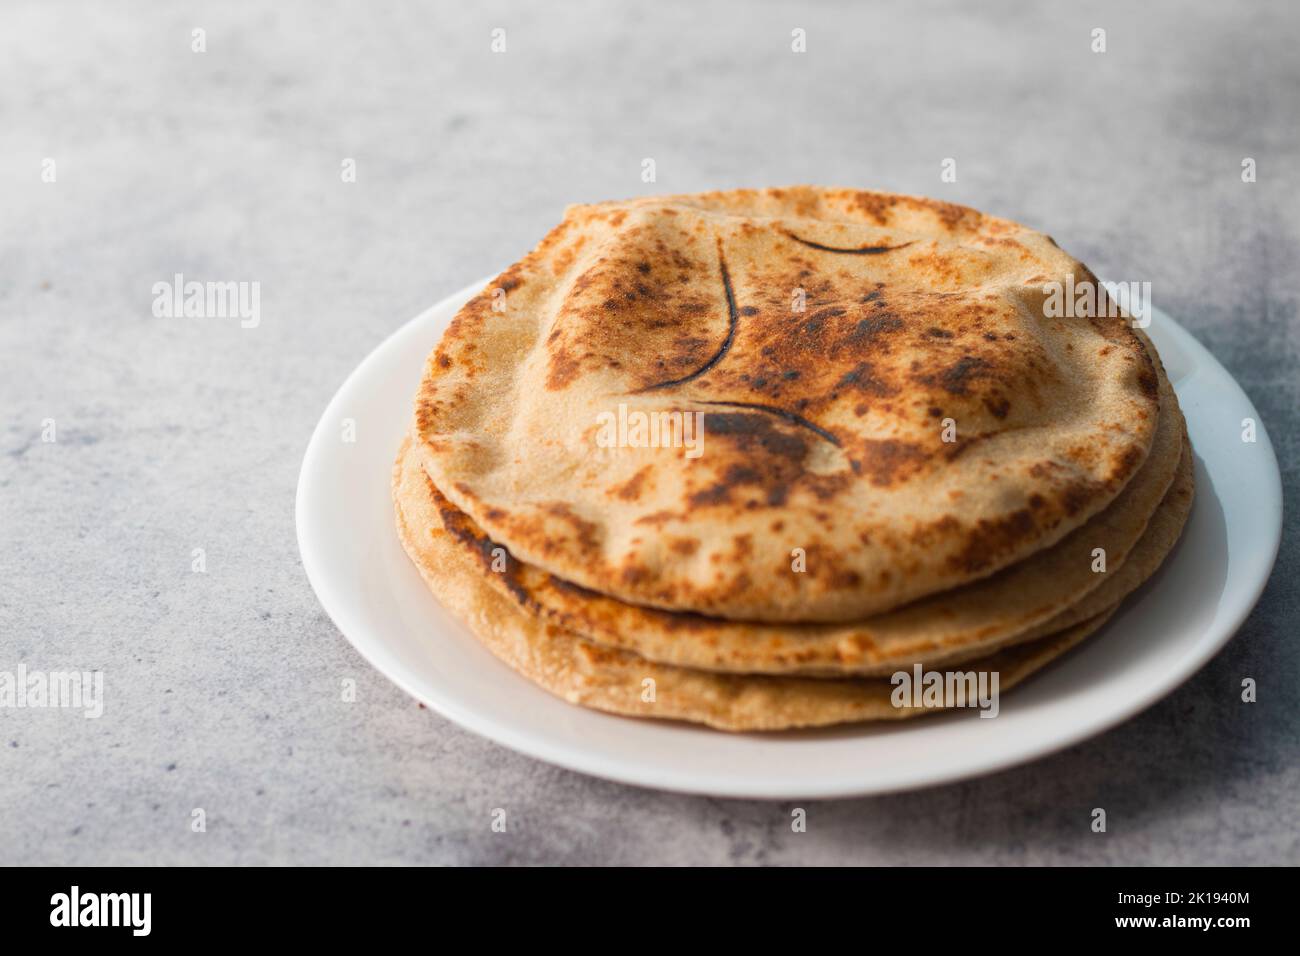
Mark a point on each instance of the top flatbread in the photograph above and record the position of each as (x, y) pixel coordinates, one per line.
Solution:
(828, 337)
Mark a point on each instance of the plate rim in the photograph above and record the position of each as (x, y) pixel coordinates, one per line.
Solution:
(536, 746)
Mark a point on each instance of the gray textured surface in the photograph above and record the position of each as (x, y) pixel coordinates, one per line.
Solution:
(177, 434)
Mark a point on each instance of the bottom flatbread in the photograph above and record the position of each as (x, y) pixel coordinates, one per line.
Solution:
(620, 682)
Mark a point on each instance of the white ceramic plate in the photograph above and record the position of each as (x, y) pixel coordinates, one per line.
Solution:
(1161, 637)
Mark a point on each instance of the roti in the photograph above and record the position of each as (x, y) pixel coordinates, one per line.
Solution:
(671, 399)
(1024, 601)
(945, 628)
(620, 682)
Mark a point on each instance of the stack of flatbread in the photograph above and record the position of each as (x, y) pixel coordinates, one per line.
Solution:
(740, 457)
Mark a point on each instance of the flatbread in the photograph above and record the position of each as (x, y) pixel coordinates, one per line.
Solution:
(1158, 540)
(611, 680)
(823, 428)
(943, 629)
(1025, 599)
